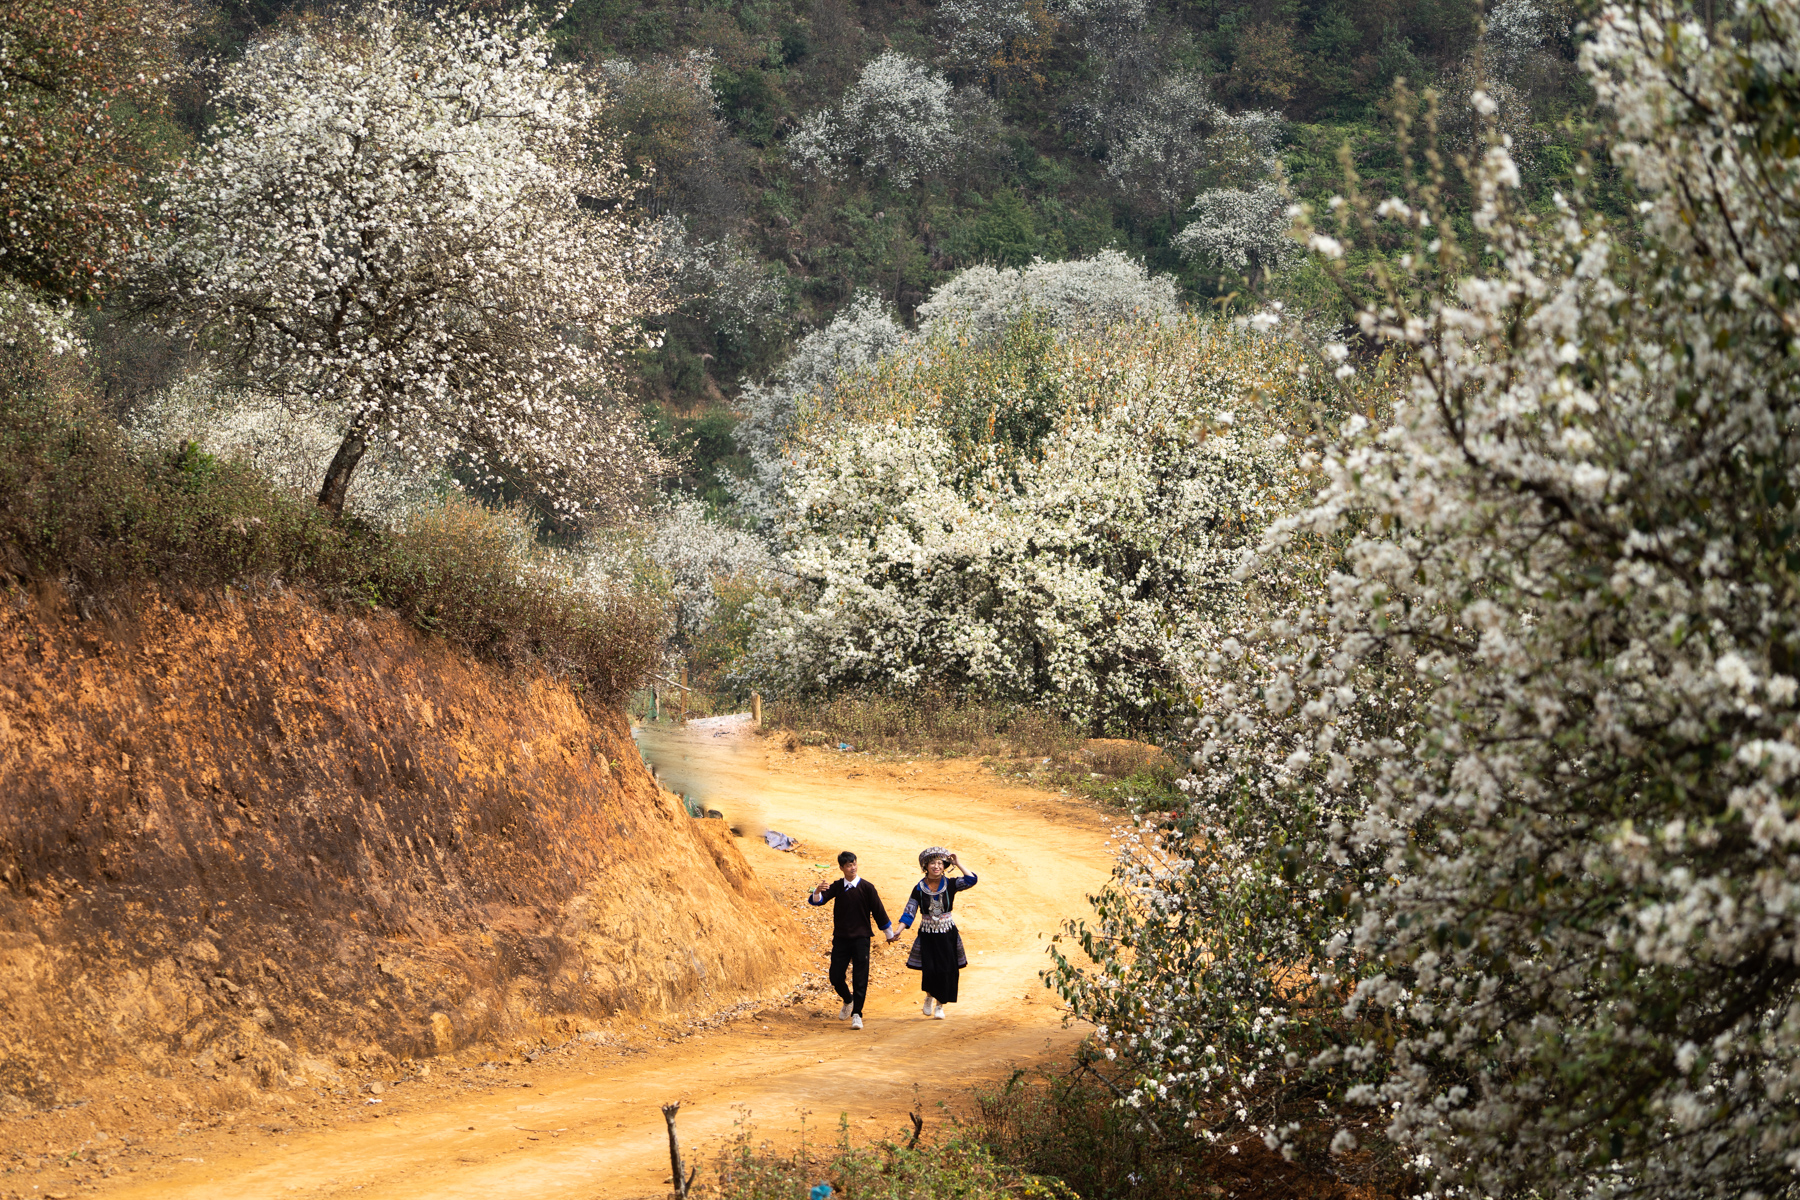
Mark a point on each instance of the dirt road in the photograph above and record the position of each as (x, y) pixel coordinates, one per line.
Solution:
(585, 1122)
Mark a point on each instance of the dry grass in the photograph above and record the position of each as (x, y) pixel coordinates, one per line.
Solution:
(927, 725)
(80, 506)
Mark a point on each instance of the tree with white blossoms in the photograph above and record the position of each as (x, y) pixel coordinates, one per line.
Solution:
(861, 334)
(1247, 231)
(997, 42)
(1178, 137)
(406, 224)
(898, 120)
(978, 302)
(1079, 294)
(1501, 801)
(1024, 517)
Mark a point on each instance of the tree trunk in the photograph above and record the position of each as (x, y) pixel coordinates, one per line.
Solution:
(343, 465)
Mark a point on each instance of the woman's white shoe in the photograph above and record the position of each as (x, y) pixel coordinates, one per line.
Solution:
(939, 1014)
(844, 1013)
(856, 1021)
(930, 1003)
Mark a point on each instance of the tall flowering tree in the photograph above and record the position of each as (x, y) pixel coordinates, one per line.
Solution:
(406, 221)
(899, 120)
(1494, 829)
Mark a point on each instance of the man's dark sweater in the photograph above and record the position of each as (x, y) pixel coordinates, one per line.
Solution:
(855, 907)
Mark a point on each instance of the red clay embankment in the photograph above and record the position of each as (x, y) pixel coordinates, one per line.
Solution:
(244, 839)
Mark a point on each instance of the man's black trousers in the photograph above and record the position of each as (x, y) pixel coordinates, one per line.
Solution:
(850, 956)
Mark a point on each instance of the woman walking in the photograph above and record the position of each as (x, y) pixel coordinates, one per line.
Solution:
(937, 953)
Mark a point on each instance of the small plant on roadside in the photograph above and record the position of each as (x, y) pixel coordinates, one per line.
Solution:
(959, 1168)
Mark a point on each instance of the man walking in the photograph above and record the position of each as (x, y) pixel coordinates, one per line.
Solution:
(856, 905)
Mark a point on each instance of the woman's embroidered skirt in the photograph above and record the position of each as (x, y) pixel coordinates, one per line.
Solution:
(938, 957)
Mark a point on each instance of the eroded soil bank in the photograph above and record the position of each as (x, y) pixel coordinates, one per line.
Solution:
(247, 843)
(580, 1120)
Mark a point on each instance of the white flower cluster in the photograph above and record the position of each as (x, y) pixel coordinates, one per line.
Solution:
(1482, 90)
(994, 39)
(1083, 293)
(726, 283)
(406, 221)
(859, 336)
(1177, 132)
(1246, 230)
(694, 564)
(899, 120)
(1494, 809)
(1063, 533)
(700, 554)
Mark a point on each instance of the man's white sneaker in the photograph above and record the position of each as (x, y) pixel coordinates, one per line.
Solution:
(939, 1014)
(844, 1013)
(856, 1021)
(929, 1005)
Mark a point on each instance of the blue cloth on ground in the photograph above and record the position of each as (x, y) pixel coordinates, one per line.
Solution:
(778, 841)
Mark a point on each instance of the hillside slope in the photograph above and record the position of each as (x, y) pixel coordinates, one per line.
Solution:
(247, 834)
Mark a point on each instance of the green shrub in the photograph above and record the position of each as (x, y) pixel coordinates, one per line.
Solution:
(1070, 1125)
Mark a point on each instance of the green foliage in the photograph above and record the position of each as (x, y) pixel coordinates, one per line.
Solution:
(702, 445)
(1005, 233)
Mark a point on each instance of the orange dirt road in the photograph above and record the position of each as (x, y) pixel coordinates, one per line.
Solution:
(590, 1128)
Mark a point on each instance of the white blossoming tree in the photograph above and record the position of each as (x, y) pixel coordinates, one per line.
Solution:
(1177, 138)
(1084, 295)
(404, 224)
(1080, 294)
(1024, 517)
(1493, 839)
(863, 333)
(997, 42)
(1244, 230)
(898, 121)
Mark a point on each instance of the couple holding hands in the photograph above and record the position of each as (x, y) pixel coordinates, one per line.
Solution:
(937, 952)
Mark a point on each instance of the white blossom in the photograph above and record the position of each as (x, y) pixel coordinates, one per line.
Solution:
(1246, 230)
(1087, 293)
(1067, 538)
(404, 222)
(1515, 864)
(898, 120)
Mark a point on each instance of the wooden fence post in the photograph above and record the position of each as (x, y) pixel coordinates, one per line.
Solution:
(756, 708)
(683, 1179)
(684, 694)
(653, 713)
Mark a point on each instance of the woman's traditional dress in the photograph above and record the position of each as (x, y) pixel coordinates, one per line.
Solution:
(937, 952)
